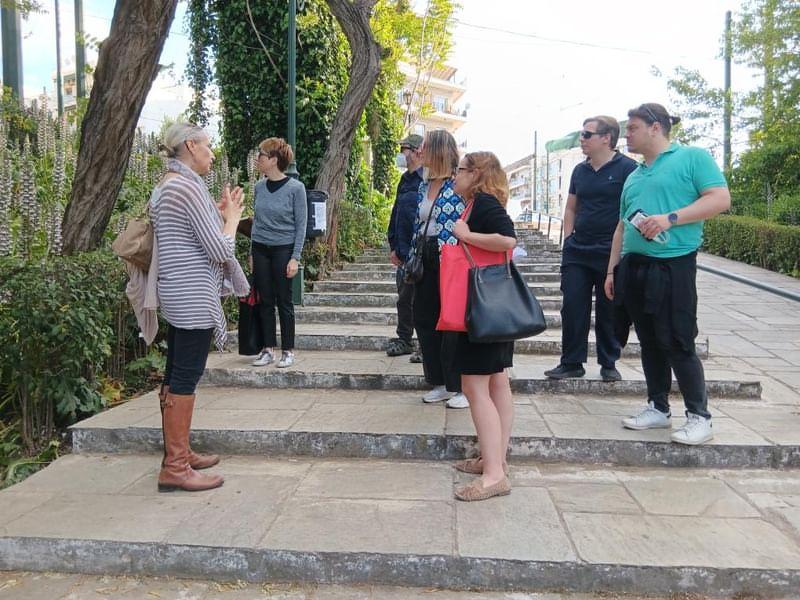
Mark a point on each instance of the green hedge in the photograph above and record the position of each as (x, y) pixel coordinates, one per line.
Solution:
(67, 335)
(756, 242)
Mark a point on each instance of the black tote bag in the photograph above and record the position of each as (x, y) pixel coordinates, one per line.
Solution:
(500, 306)
(251, 338)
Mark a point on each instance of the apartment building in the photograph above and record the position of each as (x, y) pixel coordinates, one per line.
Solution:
(430, 100)
(520, 186)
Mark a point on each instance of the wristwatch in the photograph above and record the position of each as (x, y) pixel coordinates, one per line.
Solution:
(672, 218)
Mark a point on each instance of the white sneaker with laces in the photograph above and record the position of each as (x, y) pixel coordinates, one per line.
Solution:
(437, 394)
(457, 401)
(263, 359)
(649, 418)
(696, 430)
(287, 359)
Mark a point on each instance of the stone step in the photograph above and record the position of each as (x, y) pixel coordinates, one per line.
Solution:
(353, 423)
(386, 267)
(387, 287)
(389, 276)
(371, 315)
(333, 335)
(395, 523)
(386, 300)
(375, 371)
(534, 255)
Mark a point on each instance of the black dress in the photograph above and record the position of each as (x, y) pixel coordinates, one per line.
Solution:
(486, 216)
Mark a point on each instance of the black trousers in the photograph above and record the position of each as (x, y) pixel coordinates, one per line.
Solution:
(275, 289)
(438, 347)
(578, 283)
(660, 356)
(405, 308)
(187, 353)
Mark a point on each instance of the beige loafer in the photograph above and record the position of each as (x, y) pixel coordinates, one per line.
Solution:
(475, 491)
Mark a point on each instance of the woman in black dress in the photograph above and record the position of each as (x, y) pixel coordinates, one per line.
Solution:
(482, 183)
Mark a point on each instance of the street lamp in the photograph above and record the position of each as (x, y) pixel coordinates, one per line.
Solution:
(291, 171)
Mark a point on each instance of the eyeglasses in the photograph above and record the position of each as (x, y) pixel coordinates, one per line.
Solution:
(469, 170)
(650, 113)
(262, 153)
(587, 135)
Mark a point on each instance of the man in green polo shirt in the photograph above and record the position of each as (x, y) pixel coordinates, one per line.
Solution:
(653, 265)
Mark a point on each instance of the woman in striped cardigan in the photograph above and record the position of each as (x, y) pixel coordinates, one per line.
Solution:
(194, 242)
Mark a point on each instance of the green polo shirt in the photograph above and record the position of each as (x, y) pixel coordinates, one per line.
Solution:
(675, 179)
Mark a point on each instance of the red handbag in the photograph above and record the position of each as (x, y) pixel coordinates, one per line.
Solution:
(453, 276)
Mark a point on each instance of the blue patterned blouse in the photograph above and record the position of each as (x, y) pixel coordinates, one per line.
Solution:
(447, 208)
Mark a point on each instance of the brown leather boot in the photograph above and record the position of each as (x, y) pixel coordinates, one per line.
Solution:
(196, 461)
(176, 473)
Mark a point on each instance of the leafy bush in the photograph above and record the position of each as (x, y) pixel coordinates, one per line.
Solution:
(756, 242)
(65, 328)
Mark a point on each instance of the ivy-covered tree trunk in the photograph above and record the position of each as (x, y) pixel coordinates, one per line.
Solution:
(126, 67)
(353, 17)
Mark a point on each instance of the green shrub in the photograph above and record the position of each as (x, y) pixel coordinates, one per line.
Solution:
(754, 241)
(65, 329)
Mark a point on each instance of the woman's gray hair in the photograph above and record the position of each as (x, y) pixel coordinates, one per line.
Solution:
(177, 134)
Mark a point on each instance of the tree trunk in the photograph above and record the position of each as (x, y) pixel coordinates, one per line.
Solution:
(126, 67)
(365, 65)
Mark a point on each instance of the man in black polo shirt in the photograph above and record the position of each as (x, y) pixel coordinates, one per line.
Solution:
(590, 218)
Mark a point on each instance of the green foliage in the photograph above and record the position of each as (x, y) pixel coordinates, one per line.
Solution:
(55, 334)
(754, 241)
(197, 69)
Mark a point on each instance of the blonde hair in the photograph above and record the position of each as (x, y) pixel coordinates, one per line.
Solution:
(179, 133)
(277, 147)
(441, 154)
(491, 178)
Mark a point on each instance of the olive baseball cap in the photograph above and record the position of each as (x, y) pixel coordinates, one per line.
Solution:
(412, 141)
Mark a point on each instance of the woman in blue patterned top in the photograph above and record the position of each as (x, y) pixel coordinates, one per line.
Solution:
(437, 200)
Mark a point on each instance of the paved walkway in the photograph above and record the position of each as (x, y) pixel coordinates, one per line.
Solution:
(320, 485)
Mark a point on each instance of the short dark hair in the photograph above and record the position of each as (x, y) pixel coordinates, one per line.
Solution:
(652, 112)
(277, 147)
(606, 125)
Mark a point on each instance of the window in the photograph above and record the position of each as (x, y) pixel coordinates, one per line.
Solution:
(440, 103)
(419, 129)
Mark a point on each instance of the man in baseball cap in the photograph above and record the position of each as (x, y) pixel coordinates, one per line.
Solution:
(400, 232)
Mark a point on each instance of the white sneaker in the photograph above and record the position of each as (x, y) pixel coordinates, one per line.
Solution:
(649, 418)
(287, 359)
(458, 401)
(697, 430)
(437, 394)
(263, 359)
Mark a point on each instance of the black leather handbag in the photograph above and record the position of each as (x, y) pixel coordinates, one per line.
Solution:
(500, 306)
(412, 268)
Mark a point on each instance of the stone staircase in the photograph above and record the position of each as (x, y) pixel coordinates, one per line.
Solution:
(335, 473)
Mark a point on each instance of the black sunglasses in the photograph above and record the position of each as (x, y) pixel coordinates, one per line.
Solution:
(587, 135)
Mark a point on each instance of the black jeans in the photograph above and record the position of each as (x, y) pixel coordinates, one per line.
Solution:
(187, 352)
(405, 307)
(658, 357)
(438, 347)
(275, 288)
(578, 282)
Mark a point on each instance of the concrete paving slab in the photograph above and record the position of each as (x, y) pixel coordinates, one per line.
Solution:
(682, 494)
(37, 586)
(681, 541)
(593, 497)
(382, 526)
(256, 399)
(522, 526)
(82, 474)
(421, 419)
(15, 503)
(388, 480)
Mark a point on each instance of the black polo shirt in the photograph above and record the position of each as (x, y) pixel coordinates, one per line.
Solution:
(597, 211)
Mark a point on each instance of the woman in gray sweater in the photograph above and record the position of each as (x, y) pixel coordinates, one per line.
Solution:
(279, 230)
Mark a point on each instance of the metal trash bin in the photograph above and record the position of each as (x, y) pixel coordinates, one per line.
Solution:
(297, 287)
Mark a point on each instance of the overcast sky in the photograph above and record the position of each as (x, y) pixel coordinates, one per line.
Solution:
(529, 65)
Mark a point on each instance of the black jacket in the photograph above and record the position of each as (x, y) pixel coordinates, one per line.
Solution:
(404, 213)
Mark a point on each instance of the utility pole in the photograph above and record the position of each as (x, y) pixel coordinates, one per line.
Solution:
(728, 109)
(547, 182)
(12, 50)
(59, 90)
(534, 197)
(292, 47)
(80, 52)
